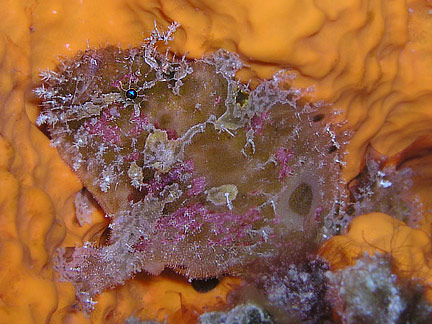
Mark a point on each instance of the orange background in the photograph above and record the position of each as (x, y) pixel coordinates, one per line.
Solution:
(371, 59)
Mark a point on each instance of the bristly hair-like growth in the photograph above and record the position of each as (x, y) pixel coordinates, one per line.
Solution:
(196, 171)
(384, 187)
(291, 286)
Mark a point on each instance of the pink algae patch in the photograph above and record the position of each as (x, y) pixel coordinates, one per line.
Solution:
(283, 157)
(197, 186)
(104, 127)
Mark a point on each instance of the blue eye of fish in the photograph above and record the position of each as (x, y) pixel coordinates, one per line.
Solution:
(131, 94)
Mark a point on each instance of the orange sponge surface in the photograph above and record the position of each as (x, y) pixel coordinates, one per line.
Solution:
(410, 249)
(371, 59)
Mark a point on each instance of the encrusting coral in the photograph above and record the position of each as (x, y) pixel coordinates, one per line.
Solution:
(247, 313)
(369, 292)
(291, 287)
(196, 171)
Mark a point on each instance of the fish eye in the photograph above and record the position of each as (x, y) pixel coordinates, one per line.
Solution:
(131, 94)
